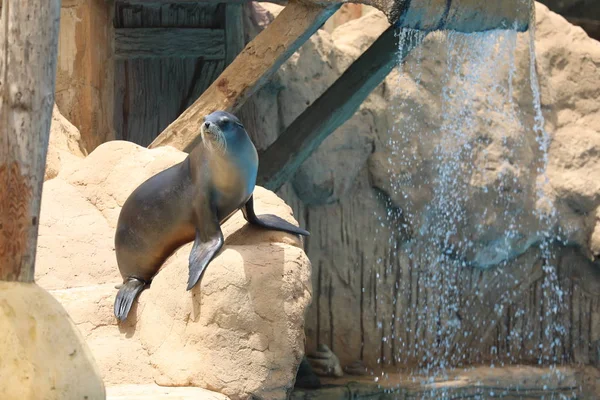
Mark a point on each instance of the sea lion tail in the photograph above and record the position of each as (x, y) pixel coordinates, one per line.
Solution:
(126, 295)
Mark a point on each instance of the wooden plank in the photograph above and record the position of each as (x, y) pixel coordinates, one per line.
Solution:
(249, 71)
(155, 91)
(133, 43)
(282, 159)
(463, 16)
(234, 32)
(28, 58)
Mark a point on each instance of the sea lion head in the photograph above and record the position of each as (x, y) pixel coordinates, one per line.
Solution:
(221, 130)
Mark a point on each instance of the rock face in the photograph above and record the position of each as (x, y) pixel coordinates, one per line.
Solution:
(65, 142)
(43, 355)
(372, 196)
(239, 332)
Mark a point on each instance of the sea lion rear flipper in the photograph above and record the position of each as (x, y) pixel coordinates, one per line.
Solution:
(270, 221)
(126, 295)
(202, 253)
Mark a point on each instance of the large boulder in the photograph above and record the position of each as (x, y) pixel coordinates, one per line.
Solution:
(369, 191)
(42, 353)
(239, 332)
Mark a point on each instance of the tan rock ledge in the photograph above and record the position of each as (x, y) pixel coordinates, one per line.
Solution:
(240, 332)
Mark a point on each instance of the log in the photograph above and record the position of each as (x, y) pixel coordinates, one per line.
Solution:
(133, 43)
(281, 160)
(250, 71)
(28, 54)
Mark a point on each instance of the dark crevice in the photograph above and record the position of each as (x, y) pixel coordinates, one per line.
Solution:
(444, 18)
(362, 307)
(331, 293)
(125, 126)
(396, 292)
(319, 292)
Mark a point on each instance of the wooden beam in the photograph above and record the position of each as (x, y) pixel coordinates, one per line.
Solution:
(457, 15)
(28, 54)
(281, 160)
(250, 71)
(234, 31)
(169, 42)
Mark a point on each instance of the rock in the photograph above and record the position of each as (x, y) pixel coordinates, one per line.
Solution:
(43, 353)
(595, 237)
(365, 194)
(52, 164)
(324, 362)
(357, 368)
(240, 332)
(306, 377)
(64, 135)
(64, 142)
(582, 271)
(354, 37)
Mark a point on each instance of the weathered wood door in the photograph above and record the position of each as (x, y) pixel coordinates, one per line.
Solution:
(166, 55)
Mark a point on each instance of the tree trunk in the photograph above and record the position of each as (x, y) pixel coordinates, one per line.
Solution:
(28, 50)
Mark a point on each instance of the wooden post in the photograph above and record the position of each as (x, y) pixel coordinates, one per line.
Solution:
(28, 50)
(282, 159)
(85, 69)
(249, 71)
(234, 31)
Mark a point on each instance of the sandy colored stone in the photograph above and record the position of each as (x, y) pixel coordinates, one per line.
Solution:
(595, 237)
(240, 331)
(365, 196)
(64, 142)
(42, 354)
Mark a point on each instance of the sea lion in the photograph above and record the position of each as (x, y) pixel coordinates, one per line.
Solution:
(189, 201)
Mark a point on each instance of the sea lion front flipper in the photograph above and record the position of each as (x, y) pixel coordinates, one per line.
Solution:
(270, 221)
(209, 238)
(204, 249)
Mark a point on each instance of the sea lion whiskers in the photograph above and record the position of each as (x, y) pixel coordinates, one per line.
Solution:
(213, 137)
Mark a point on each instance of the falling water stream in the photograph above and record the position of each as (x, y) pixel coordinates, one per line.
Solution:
(471, 190)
